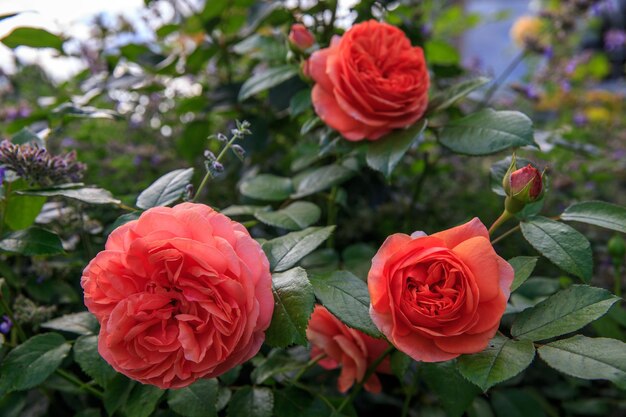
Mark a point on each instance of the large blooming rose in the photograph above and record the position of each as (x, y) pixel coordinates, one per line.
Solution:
(181, 293)
(369, 81)
(436, 297)
(342, 346)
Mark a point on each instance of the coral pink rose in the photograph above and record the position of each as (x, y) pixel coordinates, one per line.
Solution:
(436, 297)
(300, 37)
(369, 81)
(181, 293)
(342, 346)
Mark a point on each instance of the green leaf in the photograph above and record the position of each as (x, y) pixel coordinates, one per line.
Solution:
(454, 392)
(347, 297)
(30, 363)
(441, 53)
(503, 359)
(384, 154)
(561, 244)
(90, 195)
(293, 305)
(196, 400)
(598, 213)
(320, 179)
(296, 216)
(116, 393)
(516, 403)
(455, 93)
(267, 187)
(564, 312)
(251, 402)
(300, 102)
(588, 358)
(87, 356)
(143, 400)
(523, 266)
(32, 241)
(123, 219)
(68, 111)
(27, 136)
(357, 258)
(33, 37)
(277, 362)
(166, 190)
(243, 210)
(80, 323)
(487, 132)
(285, 251)
(400, 363)
(21, 211)
(266, 79)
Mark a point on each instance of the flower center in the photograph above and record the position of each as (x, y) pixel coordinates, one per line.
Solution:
(432, 289)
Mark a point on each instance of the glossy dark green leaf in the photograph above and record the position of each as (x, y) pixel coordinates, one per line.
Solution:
(517, 403)
(33, 37)
(501, 360)
(384, 154)
(285, 251)
(243, 210)
(561, 244)
(455, 393)
(143, 400)
(195, 400)
(90, 195)
(276, 363)
(357, 258)
(588, 358)
(30, 363)
(564, 312)
(524, 267)
(598, 213)
(32, 241)
(296, 216)
(293, 304)
(87, 356)
(347, 297)
(319, 179)
(252, 402)
(166, 190)
(487, 132)
(267, 187)
(266, 79)
(80, 323)
(116, 393)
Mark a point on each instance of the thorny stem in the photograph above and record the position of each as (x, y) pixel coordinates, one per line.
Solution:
(370, 371)
(207, 176)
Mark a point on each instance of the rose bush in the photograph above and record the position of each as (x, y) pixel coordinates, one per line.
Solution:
(181, 293)
(350, 349)
(369, 82)
(436, 297)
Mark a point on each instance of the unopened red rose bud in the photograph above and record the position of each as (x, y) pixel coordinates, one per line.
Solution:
(300, 37)
(526, 183)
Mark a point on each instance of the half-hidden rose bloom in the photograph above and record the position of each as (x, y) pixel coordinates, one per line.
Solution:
(342, 346)
(300, 37)
(526, 182)
(369, 82)
(436, 297)
(181, 293)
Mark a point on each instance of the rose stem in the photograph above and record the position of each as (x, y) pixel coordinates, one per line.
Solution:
(370, 371)
(505, 234)
(500, 221)
(80, 384)
(502, 78)
(207, 176)
(308, 366)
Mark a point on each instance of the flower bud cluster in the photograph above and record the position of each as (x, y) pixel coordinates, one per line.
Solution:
(37, 166)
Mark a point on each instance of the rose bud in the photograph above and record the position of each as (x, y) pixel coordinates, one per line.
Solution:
(522, 186)
(300, 37)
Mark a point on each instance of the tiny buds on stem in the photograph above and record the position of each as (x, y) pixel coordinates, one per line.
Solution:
(209, 155)
(238, 151)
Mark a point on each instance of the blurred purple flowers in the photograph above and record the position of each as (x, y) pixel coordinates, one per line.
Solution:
(5, 325)
(37, 166)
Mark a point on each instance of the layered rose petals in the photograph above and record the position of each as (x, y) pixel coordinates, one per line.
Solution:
(181, 293)
(342, 346)
(436, 297)
(369, 82)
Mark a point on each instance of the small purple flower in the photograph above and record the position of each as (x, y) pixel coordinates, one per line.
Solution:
(571, 66)
(614, 40)
(531, 92)
(619, 154)
(68, 143)
(137, 160)
(566, 86)
(548, 52)
(5, 325)
(580, 119)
